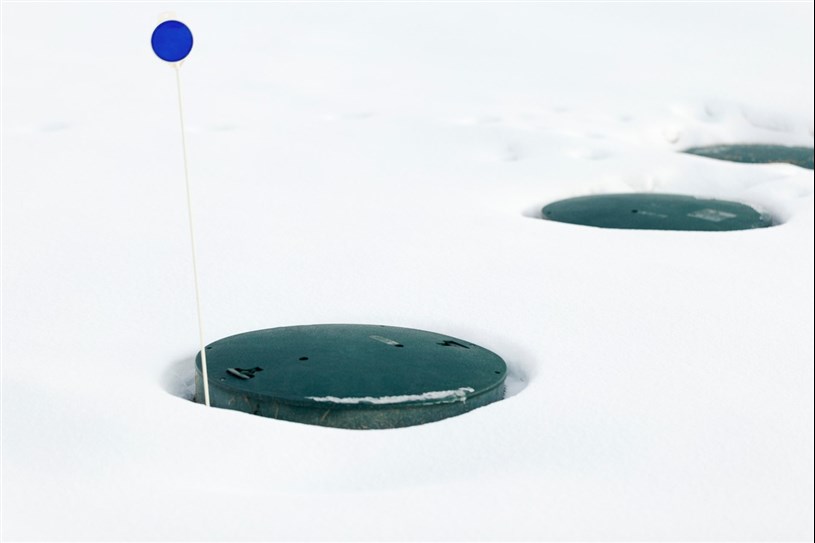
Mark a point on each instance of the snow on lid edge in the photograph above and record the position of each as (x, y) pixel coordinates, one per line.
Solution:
(452, 395)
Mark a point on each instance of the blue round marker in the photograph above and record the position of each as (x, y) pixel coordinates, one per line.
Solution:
(172, 41)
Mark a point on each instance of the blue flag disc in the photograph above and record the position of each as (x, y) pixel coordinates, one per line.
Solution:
(172, 41)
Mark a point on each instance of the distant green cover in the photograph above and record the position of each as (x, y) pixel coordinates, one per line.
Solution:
(649, 211)
(757, 154)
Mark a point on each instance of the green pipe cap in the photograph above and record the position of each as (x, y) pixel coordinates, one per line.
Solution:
(350, 375)
(648, 211)
(757, 154)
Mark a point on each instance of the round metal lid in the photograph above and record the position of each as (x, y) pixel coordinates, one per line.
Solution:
(351, 375)
(757, 154)
(648, 211)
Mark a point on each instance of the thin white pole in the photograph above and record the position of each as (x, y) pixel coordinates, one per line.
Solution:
(192, 237)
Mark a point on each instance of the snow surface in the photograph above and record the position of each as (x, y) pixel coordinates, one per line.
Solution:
(386, 163)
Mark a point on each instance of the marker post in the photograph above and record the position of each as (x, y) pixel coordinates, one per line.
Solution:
(172, 42)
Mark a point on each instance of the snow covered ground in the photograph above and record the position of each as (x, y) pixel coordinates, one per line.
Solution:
(386, 163)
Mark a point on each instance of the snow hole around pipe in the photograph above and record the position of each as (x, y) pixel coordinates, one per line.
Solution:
(178, 379)
(756, 153)
(426, 377)
(654, 211)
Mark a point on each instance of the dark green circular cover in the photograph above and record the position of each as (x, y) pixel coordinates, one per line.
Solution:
(757, 154)
(350, 375)
(648, 211)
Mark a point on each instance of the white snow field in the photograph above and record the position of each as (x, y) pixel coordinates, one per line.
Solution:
(386, 163)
